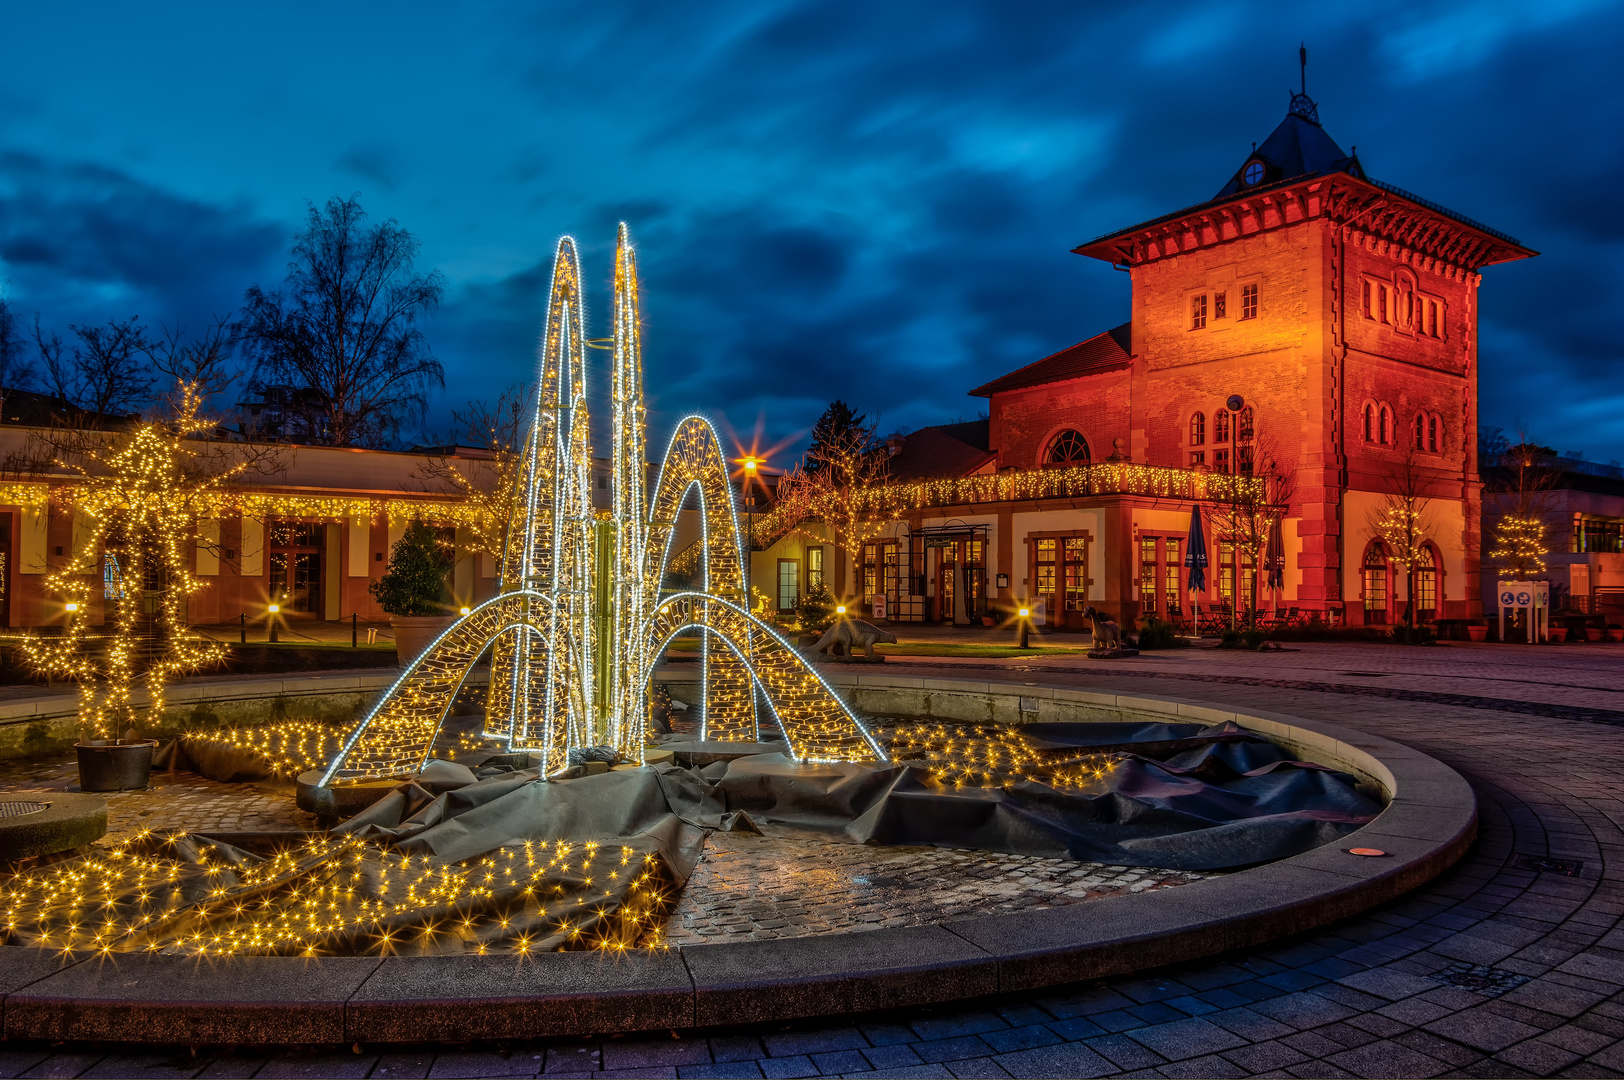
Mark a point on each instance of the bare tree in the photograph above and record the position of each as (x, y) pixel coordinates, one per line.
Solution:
(1402, 523)
(850, 464)
(1521, 502)
(490, 487)
(1249, 516)
(200, 367)
(344, 326)
(105, 376)
(16, 370)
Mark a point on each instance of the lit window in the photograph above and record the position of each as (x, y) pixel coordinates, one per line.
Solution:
(1220, 425)
(1243, 425)
(1198, 429)
(1220, 304)
(1248, 301)
(1068, 448)
(1375, 575)
(814, 567)
(1170, 552)
(1220, 461)
(1198, 459)
(1198, 311)
(789, 583)
(1044, 557)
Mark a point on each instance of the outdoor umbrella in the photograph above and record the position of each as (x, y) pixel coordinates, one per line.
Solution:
(1274, 561)
(1195, 558)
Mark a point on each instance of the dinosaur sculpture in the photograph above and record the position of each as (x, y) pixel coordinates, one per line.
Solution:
(1107, 634)
(850, 635)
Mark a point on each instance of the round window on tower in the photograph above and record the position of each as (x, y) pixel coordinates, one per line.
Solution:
(1253, 173)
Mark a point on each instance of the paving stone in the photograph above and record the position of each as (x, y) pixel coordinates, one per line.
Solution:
(337, 1066)
(977, 1069)
(787, 1067)
(1481, 1029)
(667, 1053)
(1210, 1066)
(1386, 1058)
(730, 1070)
(396, 1066)
(1186, 1038)
(1063, 1062)
(969, 1046)
(1303, 1010)
(1124, 1052)
(1265, 1057)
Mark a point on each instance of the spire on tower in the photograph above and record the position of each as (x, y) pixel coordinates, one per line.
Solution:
(1301, 104)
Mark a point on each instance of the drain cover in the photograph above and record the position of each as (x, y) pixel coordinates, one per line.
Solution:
(21, 807)
(1544, 864)
(1490, 982)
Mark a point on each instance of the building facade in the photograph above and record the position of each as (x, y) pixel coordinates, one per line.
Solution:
(1309, 327)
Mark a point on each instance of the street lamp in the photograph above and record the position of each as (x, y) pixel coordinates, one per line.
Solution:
(1023, 625)
(751, 463)
(271, 612)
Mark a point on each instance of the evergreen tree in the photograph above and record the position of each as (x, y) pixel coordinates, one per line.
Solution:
(832, 435)
(415, 584)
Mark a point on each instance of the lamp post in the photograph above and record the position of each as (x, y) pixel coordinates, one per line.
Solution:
(270, 615)
(751, 463)
(1023, 624)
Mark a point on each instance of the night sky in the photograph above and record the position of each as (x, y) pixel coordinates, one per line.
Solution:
(873, 201)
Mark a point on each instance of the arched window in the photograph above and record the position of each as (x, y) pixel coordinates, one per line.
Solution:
(1067, 448)
(1385, 429)
(1243, 425)
(1427, 577)
(1420, 431)
(1198, 429)
(1375, 581)
(1370, 423)
(1220, 425)
(1435, 440)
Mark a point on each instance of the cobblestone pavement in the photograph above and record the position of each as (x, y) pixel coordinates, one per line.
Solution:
(751, 887)
(180, 800)
(1495, 969)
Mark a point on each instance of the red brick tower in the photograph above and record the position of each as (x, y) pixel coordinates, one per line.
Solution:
(1341, 312)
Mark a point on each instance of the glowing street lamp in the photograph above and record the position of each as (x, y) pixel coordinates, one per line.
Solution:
(271, 612)
(751, 463)
(1023, 626)
(840, 609)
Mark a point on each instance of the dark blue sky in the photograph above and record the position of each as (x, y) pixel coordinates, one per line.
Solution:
(872, 201)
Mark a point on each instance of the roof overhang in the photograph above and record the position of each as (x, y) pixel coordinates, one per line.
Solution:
(1366, 206)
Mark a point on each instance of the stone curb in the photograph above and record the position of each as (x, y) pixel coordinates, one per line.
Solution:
(1430, 821)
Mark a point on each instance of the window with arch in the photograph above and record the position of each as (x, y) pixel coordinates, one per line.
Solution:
(1375, 582)
(1427, 576)
(1244, 425)
(1067, 448)
(1435, 433)
(1198, 429)
(1220, 425)
(1421, 419)
(1384, 426)
(1370, 423)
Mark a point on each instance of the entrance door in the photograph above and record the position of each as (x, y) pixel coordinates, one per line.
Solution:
(1061, 578)
(295, 564)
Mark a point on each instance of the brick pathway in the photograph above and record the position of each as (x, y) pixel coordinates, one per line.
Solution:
(1495, 969)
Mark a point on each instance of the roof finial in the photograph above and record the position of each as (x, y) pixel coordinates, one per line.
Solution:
(1302, 61)
(1301, 104)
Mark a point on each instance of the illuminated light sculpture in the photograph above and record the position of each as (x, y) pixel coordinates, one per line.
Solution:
(580, 620)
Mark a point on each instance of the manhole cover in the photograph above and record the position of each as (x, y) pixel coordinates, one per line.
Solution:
(1490, 982)
(1546, 865)
(20, 807)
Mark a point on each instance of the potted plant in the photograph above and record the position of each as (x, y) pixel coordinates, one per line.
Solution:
(140, 491)
(414, 591)
(1477, 631)
(1559, 634)
(1615, 632)
(1595, 633)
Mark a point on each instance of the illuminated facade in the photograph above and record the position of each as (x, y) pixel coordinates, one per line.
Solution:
(1307, 324)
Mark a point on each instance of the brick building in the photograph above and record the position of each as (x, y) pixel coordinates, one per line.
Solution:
(1307, 324)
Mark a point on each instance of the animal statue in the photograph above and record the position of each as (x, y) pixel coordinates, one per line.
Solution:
(849, 635)
(1107, 634)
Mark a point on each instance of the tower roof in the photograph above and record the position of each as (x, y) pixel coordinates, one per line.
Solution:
(1299, 146)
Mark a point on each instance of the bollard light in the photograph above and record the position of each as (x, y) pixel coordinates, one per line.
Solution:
(840, 609)
(1026, 613)
(466, 610)
(274, 608)
(71, 607)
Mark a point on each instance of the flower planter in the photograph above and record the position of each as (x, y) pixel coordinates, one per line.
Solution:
(414, 633)
(1615, 635)
(1594, 633)
(1477, 633)
(1559, 634)
(125, 766)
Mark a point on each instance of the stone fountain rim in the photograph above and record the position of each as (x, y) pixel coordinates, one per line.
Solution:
(1429, 822)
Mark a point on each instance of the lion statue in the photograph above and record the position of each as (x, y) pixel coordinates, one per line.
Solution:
(850, 635)
(1107, 634)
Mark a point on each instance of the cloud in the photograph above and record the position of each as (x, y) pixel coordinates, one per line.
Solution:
(377, 164)
(81, 242)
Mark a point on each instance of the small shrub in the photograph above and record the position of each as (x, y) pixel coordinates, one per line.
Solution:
(1253, 638)
(1229, 639)
(1159, 634)
(415, 584)
(1413, 635)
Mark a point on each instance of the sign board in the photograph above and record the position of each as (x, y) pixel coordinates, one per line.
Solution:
(1037, 613)
(1522, 594)
(879, 605)
(941, 541)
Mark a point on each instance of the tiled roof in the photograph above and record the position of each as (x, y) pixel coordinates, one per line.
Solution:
(944, 450)
(1102, 352)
